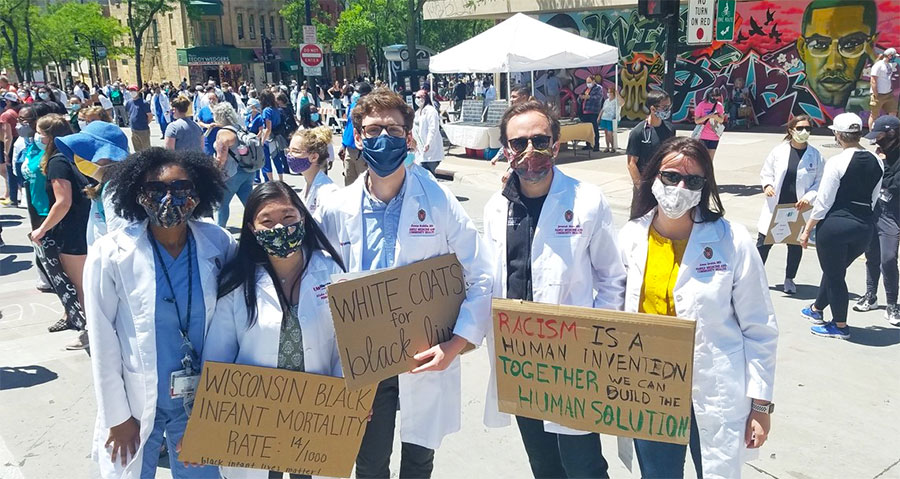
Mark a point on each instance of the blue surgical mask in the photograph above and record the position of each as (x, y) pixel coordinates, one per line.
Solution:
(39, 141)
(384, 153)
(314, 117)
(409, 160)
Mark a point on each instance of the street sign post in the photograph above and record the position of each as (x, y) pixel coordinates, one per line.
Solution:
(700, 22)
(725, 20)
(311, 56)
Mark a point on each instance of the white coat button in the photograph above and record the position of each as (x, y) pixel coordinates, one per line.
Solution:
(678, 297)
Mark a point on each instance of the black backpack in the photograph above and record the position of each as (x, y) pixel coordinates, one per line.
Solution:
(288, 122)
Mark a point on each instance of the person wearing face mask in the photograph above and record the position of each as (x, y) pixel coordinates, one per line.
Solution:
(238, 181)
(8, 136)
(881, 256)
(393, 216)
(152, 297)
(645, 138)
(556, 243)
(427, 133)
(682, 258)
(74, 109)
(710, 118)
(117, 99)
(590, 102)
(791, 174)
(844, 221)
(46, 96)
(139, 117)
(270, 310)
(309, 154)
(161, 109)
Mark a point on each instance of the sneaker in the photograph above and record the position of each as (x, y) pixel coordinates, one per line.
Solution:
(44, 288)
(813, 316)
(81, 342)
(789, 286)
(892, 314)
(830, 330)
(867, 303)
(4, 201)
(61, 325)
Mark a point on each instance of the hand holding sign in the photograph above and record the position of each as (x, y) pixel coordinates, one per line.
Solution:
(440, 355)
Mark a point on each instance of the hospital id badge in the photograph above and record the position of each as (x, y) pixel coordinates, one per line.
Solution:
(886, 195)
(182, 384)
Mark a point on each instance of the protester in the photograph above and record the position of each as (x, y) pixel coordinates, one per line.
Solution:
(309, 155)
(570, 272)
(35, 183)
(843, 218)
(882, 84)
(139, 117)
(710, 119)
(881, 256)
(646, 136)
(272, 142)
(335, 94)
(162, 110)
(8, 121)
(74, 110)
(238, 181)
(91, 114)
(117, 98)
(609, 116)
(204, 119)
(370, 222)
(676, 228)
(490, 92)
(427, 133)
(288, 117)
(791, 174)
(354, 163)
(590, 102)
(183, 134)
(153, 288)
(740, 100)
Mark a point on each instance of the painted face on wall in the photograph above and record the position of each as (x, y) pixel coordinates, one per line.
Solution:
(834, 46)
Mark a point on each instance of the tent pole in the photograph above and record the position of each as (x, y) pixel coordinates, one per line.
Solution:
(532, 83)
(616, 119)
(508, 86)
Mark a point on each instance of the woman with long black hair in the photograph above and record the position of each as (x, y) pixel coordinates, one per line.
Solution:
(272, 310)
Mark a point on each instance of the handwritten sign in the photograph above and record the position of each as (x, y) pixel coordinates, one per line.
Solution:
(275, 419)
(617, 373)
(382, 320)
(787, 224)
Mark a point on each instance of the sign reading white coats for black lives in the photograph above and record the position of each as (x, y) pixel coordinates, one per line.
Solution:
(382, 320)
(625, 374)
(276, 419)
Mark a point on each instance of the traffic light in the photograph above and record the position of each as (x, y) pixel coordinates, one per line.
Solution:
(657, 8)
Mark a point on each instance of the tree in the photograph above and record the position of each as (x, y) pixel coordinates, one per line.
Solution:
(373, 24)
(140, 16)
(15, 21)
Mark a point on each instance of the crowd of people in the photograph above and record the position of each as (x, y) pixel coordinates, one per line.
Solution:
(132, 239)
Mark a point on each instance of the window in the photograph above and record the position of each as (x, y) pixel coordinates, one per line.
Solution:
(171, 32)
(252, 25)
(154, 33)
(262, 25)
(272, 26)
(281, 26)
(240, 26)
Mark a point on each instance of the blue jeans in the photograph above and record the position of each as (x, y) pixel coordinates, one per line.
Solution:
(172, 423)
(277, 158)
(240, 184)
(13, 180)
(662, 460)
(560, 455)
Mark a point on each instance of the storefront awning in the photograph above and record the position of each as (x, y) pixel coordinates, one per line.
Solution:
(289, 66)
(213, 56)
(206, 7)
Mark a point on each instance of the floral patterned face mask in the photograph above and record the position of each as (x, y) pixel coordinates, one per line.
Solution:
(281, 241)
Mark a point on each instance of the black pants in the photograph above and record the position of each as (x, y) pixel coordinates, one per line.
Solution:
(374, 459)
(555, 456)
(839, 241)
(881, 256)
(431, 166)
(592, 119)
(795, 253)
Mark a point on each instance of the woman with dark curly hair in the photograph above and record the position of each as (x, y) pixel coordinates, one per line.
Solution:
(151, 295)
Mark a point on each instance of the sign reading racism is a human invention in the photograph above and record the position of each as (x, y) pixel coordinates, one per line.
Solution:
(616, 373)
(382, 320)
(276, 419)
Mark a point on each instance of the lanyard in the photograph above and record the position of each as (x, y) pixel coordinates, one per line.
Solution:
(186, 328)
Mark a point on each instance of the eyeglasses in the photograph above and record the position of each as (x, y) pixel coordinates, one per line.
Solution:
(538, 142)
(692, 182)
(849, 46)
(803, 128)
(371, 131)
(158, 189)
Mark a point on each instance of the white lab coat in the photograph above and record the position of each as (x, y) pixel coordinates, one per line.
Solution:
(230, 340)
(120, 302)
(809, 174)
(164, 106)
(427, 132)
(430, 402)
(577, 268)
(322, 187)
(736, 333)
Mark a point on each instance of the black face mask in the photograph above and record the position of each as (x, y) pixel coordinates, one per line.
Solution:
(889, 146)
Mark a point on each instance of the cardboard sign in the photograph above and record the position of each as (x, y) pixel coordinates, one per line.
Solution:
(624, 374)
(275, 419)
(787, 224)
(382, 320)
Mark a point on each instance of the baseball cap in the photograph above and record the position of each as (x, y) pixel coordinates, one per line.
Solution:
(883, 124)
(890, 51)
(847, 123)
(10, 96)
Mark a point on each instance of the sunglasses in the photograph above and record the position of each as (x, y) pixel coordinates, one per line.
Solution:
(692, 182)
(538, 142)
(803, 128)
(158, 189)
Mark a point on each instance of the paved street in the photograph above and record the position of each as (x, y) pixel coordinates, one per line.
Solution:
(838, 402)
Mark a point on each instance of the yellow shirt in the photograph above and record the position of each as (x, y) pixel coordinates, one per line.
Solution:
(663, 258)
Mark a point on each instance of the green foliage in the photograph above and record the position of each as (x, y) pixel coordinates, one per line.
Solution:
(294, 14)
(65, 32)
(443, 34)
(373, 24)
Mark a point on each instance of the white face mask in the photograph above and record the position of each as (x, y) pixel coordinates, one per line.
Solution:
(800, 136)
(420, 102)
(82, 124)
(674, 201)
(39, 141)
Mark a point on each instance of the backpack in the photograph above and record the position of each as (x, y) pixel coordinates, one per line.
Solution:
(288, 124)
(248, 152)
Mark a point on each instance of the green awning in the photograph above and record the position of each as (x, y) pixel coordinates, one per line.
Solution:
(213, 56)
(289, 66)
(206, 7)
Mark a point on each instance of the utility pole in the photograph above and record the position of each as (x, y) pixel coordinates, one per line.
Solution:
(312, 79)
(671, 50)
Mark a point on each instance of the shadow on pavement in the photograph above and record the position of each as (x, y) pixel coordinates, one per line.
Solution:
(740, 190)
(878, 336)
(24, 376)
(9, 265)
(11, 249)
(805, 292)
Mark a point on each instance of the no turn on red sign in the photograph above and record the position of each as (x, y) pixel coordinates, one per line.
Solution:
(700, 22)
(311, 55)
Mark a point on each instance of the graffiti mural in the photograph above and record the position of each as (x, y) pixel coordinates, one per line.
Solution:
(796, 57)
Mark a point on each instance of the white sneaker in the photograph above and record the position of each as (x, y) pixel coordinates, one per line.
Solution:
(789, 286)
(81, 342)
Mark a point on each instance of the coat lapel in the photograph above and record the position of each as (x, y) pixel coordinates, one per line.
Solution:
(210, 264)
(409, 209)
(138, 272)
(702, 236)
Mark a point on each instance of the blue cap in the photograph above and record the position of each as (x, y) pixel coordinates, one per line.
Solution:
(98, 140)
(883, 124)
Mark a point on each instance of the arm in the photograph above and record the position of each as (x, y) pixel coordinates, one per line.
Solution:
(265, 131)
(431, 128)
(831, 181)
(222, 145)
(812, 192)
(767, 174)
(633, 170)
(221, 343)
(608, 272)
(7, 142)
(170, 143)
(62, 190)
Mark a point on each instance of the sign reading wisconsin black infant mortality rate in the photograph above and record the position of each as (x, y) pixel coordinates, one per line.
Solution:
(275, 419)
(611, 372)
(382, 320)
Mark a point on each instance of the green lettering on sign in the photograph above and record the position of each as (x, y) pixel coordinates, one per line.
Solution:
(725, 20)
